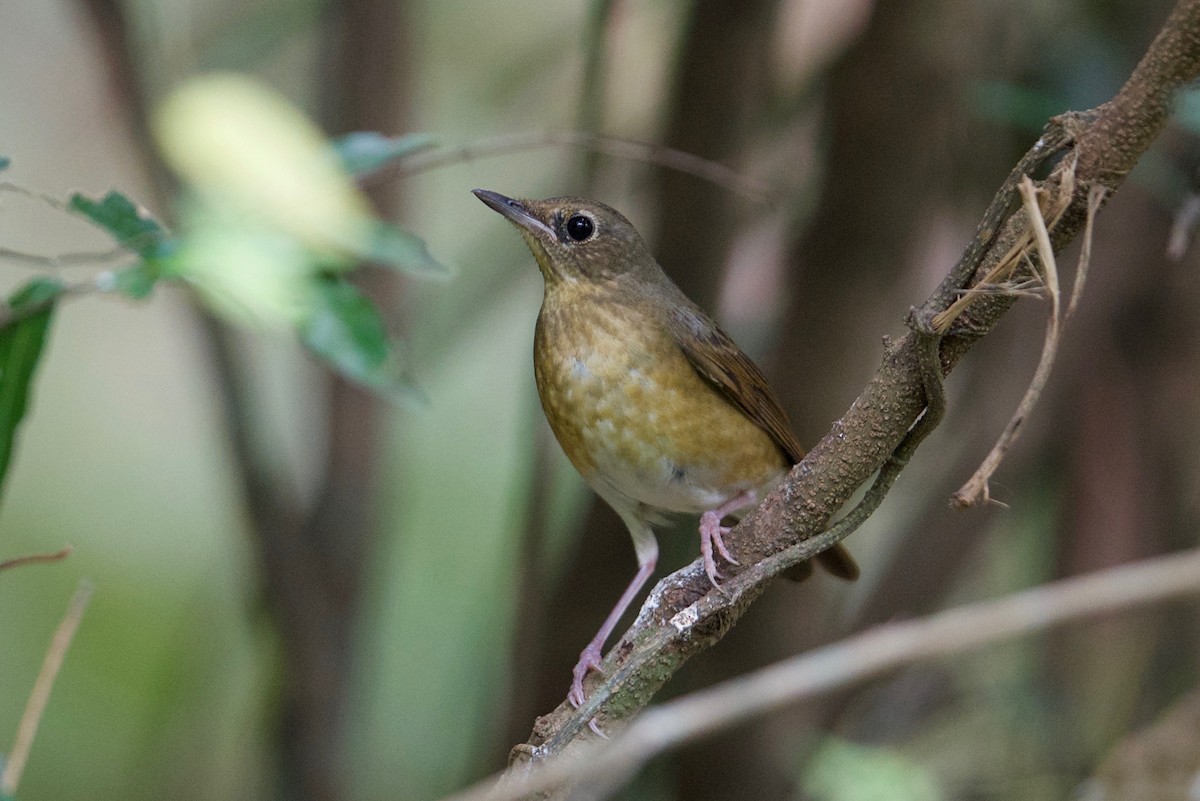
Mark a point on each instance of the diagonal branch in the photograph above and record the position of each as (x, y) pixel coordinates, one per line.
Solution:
(858, 658)
(683, 615)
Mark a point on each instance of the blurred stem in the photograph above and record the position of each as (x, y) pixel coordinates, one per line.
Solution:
(717, 95)
(591, 96)
(27, 728)
(37, 558)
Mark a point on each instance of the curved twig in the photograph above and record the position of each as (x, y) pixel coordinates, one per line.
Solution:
(630, 149)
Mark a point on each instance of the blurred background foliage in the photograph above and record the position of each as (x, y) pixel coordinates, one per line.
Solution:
(306, 591)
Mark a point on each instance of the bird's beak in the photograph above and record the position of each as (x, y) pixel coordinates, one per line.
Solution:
(515, 211)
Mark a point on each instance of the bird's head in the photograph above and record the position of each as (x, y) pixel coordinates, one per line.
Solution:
(575, 239)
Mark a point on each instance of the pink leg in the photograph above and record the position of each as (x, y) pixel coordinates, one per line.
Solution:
(589, 659)
(712, 533)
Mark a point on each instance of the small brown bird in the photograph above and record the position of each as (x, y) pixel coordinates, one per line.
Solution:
(653, 403)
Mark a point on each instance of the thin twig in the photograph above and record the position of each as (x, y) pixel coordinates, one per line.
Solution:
(37, 558)
(99, 284)
(630, 149)
(976, 489)
(854, 660)
(16, 189)
(999, 279)
(36, 705)
(1096, 197)
(84, 259)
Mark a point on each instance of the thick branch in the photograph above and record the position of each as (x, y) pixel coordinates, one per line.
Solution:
(683, 615)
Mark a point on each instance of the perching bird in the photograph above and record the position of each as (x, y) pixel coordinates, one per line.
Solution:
(652, 402)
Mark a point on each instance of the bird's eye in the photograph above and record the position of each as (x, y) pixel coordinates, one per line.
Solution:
(580, 227)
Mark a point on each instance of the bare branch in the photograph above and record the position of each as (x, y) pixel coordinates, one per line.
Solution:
(36, 705)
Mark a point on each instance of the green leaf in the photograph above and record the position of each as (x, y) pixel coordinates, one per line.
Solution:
(118, 215)
(137, 282)
(365, 152)
(21, 344)
(395, 247)
(345, 329)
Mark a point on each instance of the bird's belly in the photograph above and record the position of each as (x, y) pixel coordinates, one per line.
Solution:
(642, 426)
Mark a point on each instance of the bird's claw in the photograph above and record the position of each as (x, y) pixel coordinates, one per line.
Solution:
(589, 661)
(712, 534)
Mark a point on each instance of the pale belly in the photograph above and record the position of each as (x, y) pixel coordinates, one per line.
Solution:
(641, 426)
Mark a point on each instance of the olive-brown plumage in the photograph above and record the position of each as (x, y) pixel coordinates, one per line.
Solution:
(652, 402)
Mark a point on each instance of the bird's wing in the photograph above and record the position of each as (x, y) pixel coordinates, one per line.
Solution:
(723, 364)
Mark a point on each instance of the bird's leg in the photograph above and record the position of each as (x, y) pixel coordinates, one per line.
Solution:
(589, 659)
(712, 532)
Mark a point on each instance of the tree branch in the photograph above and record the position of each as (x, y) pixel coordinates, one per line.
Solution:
(857, 659)
(683, 614)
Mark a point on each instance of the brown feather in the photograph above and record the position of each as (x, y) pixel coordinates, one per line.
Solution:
(722, 363)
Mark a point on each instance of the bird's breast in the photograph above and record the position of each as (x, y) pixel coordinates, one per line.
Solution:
(632, 414)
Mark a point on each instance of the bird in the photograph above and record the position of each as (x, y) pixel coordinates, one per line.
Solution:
(652, 402)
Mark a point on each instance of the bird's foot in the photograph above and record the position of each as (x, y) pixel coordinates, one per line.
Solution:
(589, 661)
(712, 534)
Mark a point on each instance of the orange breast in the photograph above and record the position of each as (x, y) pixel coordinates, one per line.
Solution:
(632, 414)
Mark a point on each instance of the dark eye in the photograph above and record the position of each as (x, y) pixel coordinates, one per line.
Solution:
(580, 227)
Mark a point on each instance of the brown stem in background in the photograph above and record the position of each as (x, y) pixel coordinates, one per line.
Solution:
(37, 558)
(719, 89)
(313, 560)
(672, 159)
(590, 115)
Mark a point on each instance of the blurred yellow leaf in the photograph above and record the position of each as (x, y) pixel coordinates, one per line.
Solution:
(238, 143)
